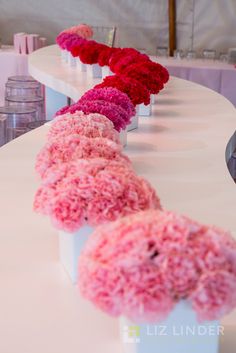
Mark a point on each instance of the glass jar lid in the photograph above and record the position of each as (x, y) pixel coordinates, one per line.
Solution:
(18, 84)
(24, 99)
(22, 78)
(13, 109)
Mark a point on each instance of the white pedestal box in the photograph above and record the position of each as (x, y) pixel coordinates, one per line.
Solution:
(134, 123)
(70, 247)
(71, 60)
(106, 71)
(94, 71)
(144, 110)
(179, 333)
(123, 137)
(80, 66)
(152, 99)
(64, 55)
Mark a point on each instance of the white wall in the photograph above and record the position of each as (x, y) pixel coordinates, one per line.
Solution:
(141, 23)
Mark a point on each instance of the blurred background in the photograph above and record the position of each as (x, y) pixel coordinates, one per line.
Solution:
(140, 23)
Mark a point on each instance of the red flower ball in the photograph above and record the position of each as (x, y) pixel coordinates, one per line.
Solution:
(135, 90)
(89, 52)
(125, 61)
(121, 53)
(105, 55)
(141, 72)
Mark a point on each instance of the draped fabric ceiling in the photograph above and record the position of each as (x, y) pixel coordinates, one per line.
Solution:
(141, 23)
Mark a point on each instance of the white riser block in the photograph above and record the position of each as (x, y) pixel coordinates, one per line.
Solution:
(144, 110)
(152, 99)
(94, 71)
(134, 123)
(123, 137)
(106, 71)
(80, 66)
(53, 102)
(179, 333)
(71, 60)
(64, 55)
(70, 247)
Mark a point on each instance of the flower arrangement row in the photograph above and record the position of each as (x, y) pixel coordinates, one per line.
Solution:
(134, 73)
(85, 177)
(141, 260)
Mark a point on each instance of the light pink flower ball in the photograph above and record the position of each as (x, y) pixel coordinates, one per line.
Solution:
(74, 147)
(89, 125)
(92, 192)
(155, 259)
(81, 30)
(214, 295)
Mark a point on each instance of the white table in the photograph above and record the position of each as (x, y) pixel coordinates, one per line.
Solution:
(11, 64)
(46, 66)
(219, 76)
(179, 149)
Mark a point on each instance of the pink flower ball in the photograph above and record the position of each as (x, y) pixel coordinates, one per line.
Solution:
(155, 259)
(90, 125)
(112, 95)
(66, 40)
(81, 30)
(75, 41)
(119, 117)
(92, 192)
(74, 147)
(62, 38)
(215, 295)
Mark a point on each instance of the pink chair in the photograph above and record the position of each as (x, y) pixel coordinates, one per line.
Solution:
(33, 42)
(42, 42)
(17, 42)
(23, 44)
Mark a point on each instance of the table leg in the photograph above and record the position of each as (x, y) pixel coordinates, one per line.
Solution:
(53, 101)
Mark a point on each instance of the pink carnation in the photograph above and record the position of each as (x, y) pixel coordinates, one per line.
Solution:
(119, 117)
(215, 295)
(82, 30)
(74, 41)
(112, 95)
(74, 45)
(92, 192)
(155, 259)
(74, 147)
(64, 110)
(66, 40)
(62, 38)
(91, 125)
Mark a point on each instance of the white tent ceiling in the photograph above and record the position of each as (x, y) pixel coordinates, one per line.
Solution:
(141, 23)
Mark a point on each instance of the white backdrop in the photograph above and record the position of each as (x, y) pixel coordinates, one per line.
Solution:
(141, 23)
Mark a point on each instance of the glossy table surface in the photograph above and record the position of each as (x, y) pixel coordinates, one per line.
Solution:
(46, 66)
(214, 74)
